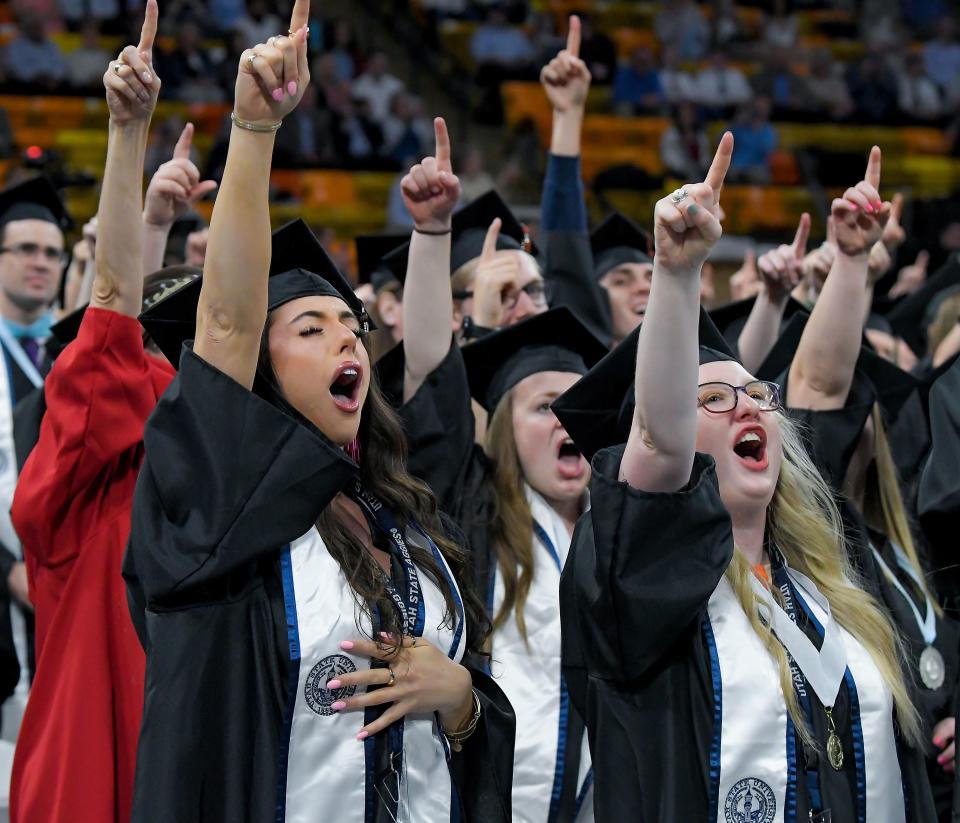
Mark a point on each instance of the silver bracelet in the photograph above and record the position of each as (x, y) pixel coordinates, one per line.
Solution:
(244, 124)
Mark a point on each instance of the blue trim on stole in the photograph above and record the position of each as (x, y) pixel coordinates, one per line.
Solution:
(584, 790)
(790, 801)
(711, 642)
(293, 645)
(560, 766)
(856, 731)
(856, 728)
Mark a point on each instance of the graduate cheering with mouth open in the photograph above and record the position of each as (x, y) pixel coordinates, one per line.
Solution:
(730, 665)
(305, 616)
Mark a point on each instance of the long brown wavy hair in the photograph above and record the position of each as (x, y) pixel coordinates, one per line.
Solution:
(512, 525)
(383, 471)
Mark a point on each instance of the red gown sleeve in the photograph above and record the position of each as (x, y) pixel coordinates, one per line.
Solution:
(99, 394)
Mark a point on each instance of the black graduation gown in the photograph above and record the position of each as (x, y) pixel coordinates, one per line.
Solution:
(27, 411)
(634, 596)
(227, 480)
(439, 424)
(832, 438)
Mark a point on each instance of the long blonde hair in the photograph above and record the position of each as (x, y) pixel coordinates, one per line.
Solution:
(511, 528)
(883, 502)
(804, 523)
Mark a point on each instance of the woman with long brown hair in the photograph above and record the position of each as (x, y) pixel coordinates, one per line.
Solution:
(516, 499)
(306, 618)
(732, 665)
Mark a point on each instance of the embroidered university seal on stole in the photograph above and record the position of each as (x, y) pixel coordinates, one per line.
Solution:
(319, 698)
(750, 801)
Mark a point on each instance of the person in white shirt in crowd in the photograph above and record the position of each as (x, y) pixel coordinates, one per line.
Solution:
(918, 96)
(720, 85)
(378, 87)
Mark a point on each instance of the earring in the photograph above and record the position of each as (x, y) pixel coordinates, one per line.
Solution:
(353, 449)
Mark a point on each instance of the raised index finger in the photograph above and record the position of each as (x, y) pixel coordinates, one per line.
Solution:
(182, 150)
(490, 241)
(573, 36)
(800, 238)
(149, 30)
(721, 164)
(300, 15)
(873, 168)
(442, 138)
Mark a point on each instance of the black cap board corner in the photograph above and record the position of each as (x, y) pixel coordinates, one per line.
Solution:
(299, 267)
(372, 249)
(731, 318)
(597, 411)
(555, 340)
(34, 199)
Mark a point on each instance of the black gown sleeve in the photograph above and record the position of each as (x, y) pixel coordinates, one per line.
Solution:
(645, 565)
(228, 479)
(940, 478)
(831, 437)
(483, 770)
(568, 270)
(440, 428)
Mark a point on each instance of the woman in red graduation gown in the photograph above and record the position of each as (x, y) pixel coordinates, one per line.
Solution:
(77, 747)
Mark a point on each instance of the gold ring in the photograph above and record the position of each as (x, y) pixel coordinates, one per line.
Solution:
(393, 676)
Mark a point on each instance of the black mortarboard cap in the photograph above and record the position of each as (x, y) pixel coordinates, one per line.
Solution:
(893, 385)
(618, 240)
(471, 223)
(598, 410)
(395, 264)
(731, 318)
(34, 199)
(909, 318)
(552, 341)
(299, 267)
(372, 250)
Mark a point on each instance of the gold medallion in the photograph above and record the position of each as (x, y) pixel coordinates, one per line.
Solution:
(834, 751)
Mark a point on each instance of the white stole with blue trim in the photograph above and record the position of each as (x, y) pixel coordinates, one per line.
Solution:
(883, 778)
(754, 753)
(753, 762)
(326, 766)
(529, 674)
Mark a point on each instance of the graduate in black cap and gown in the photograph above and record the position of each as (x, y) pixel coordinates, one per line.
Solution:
(305, 614)
(846, 399)
(516, 500)
(33, 220)
(728, 664)
(374, 271)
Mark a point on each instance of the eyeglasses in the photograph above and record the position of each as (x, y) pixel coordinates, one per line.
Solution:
(538, 292)
(718, 398)
(24, 250)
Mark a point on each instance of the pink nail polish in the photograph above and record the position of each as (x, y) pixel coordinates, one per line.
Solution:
(363, 735)
(338, 705)
(868, 209)
(333, 685)
(292, 88)
(277, 95)
(346, 645)
(938, 742)
(878, 205)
